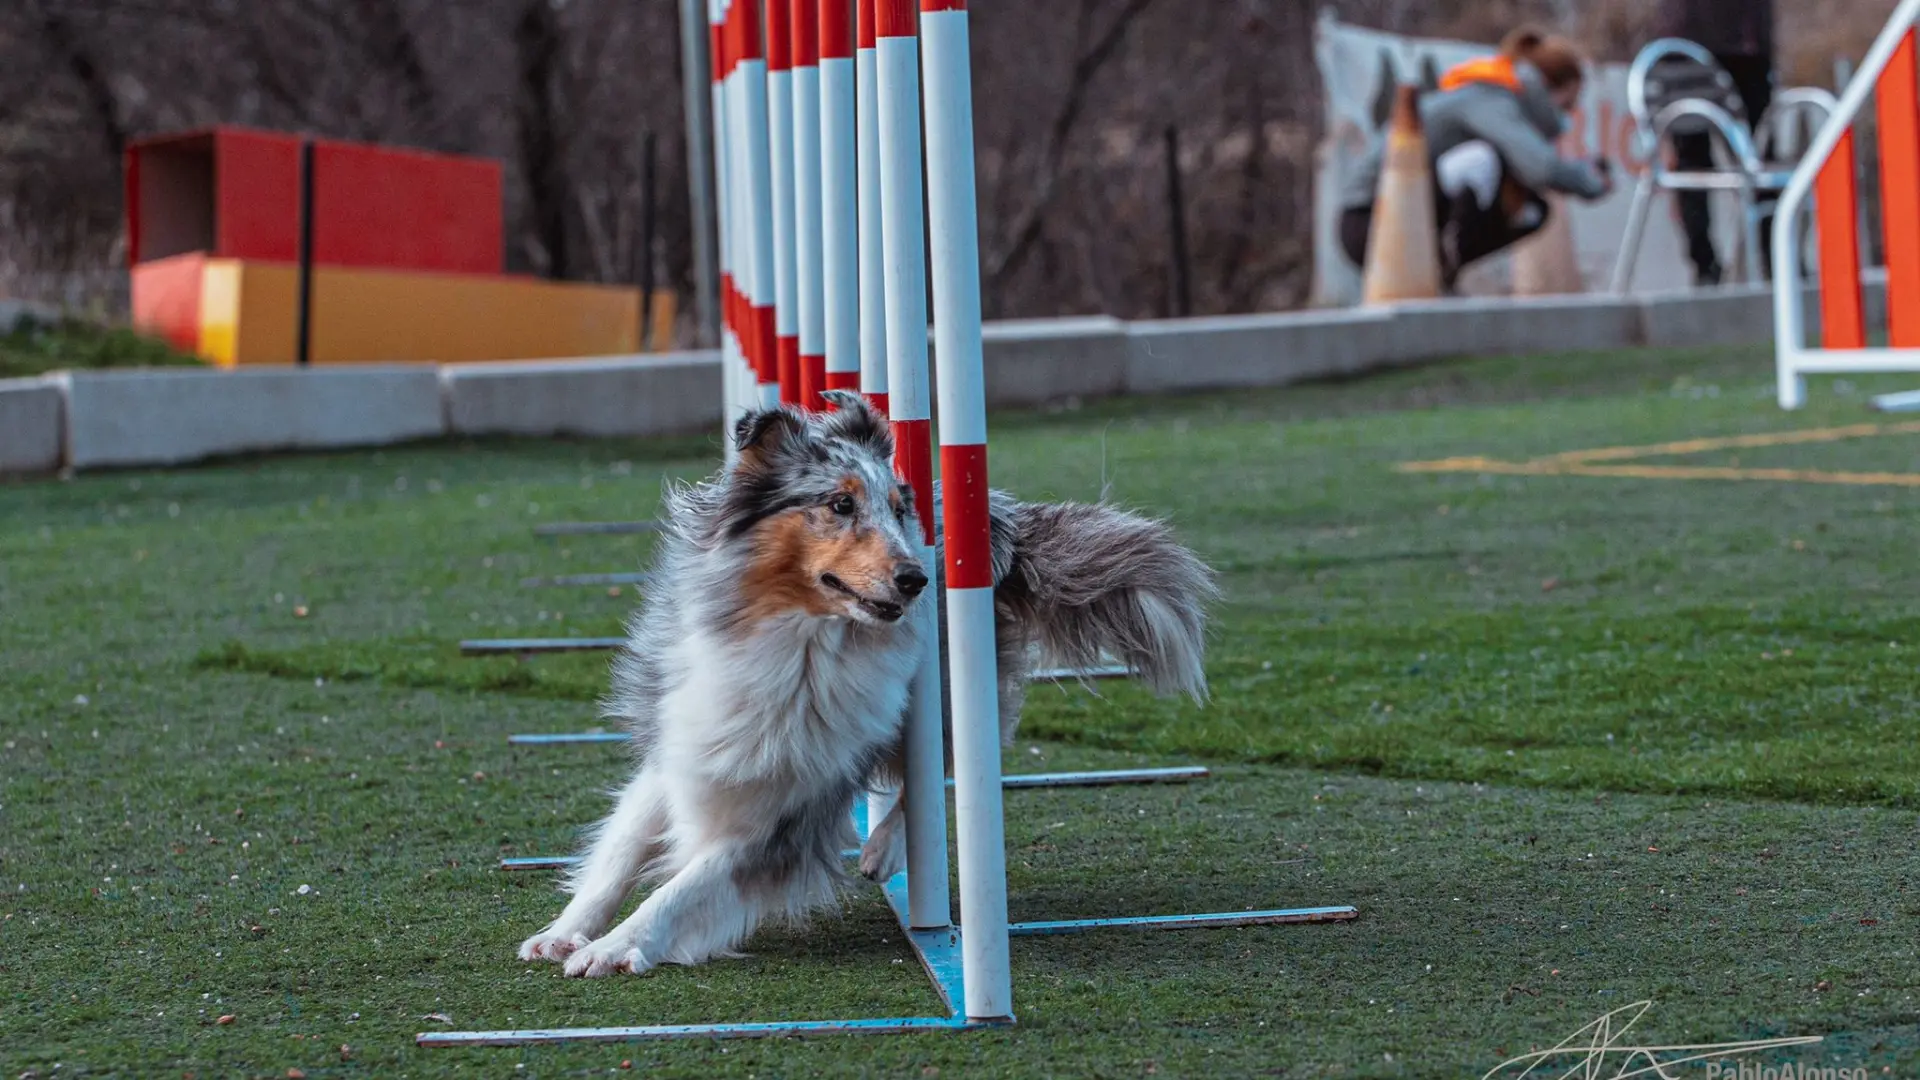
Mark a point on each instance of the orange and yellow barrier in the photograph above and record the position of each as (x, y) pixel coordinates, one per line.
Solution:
(233, 312)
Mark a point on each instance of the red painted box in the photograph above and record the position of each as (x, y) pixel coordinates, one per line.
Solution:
(234, 193)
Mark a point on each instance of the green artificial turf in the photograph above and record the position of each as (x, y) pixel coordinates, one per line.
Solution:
(1568, 742)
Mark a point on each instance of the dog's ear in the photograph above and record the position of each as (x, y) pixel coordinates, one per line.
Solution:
(761, 435)
(857, 421)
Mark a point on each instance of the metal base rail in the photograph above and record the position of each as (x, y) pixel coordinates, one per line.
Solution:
(624, 577)
(939, 954)
(596, 528)
(1178, 774)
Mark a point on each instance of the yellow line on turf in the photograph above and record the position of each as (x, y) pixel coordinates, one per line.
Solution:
(1588, 462)
(1736, 442)
(1705, 472)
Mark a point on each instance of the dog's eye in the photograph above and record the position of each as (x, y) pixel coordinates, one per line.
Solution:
(841, 504)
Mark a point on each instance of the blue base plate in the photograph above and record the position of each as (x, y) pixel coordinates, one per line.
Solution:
(939, 953)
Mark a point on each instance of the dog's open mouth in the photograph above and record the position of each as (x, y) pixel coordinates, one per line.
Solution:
(884, 610)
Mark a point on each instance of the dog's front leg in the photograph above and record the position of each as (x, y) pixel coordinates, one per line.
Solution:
(699, 913)
(885, 852)
(621, 847)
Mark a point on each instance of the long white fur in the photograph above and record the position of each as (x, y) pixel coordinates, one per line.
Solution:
(752, 740)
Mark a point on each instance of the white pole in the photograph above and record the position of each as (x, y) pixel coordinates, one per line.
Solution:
(839, 197)
(741, 226)
(699, 64)
(806, 202)
(872, 269)
(904, 244)
(973, 676)
(786, 294)
(732, 397)
(756, 159)
(872, 356)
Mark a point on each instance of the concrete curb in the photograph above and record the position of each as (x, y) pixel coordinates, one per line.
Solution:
(167, 416)
(33, 415)
(1241, 352)
(1518, 327)
(172, 416)
(1033, 362)
(675, 393)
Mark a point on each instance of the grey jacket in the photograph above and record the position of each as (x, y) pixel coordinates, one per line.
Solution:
(1521, 128)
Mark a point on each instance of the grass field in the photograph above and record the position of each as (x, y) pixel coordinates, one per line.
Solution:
(1569, 742)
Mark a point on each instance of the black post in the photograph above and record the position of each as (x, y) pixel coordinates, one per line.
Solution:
(303, 301)
(1181, 300)
(645, 254)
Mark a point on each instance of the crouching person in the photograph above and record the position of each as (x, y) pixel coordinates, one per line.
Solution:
(1491, 130)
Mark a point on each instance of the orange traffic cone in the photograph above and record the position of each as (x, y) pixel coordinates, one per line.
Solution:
(1545, 264)
(1403, 250)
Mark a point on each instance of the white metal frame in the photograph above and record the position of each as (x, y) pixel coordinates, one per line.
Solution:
(1750, 178)
(1793, 357)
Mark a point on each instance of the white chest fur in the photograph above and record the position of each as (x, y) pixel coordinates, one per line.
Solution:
(804, 702)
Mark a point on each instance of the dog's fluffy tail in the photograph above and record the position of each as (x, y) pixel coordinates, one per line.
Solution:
(1087, 582)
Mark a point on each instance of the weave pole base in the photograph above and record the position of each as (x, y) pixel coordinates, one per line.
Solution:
(596, 528)
(623, 577)
(1179, 774)
(939, 954)
(539, 646)
(938, 950)
(1904, 401)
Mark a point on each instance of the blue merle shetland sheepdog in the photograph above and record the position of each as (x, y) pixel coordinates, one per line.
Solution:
(765, 678)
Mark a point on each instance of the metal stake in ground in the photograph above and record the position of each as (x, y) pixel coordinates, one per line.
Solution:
(303, 288)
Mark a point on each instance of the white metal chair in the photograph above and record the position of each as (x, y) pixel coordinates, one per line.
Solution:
(1677, 88)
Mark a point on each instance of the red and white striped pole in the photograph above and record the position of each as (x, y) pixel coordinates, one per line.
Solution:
(871, 257)
(897, 65)
(953, 221)
(786, 302)
(753, 176)
(733, 396)
(806, 202)
(868, 254)
(839, 198)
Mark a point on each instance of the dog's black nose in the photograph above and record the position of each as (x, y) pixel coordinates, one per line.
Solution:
(910, 581)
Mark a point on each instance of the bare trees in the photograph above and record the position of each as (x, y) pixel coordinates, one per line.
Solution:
(1074, 99)
(559, 91)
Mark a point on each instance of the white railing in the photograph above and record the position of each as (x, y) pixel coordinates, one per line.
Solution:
(1794, 358)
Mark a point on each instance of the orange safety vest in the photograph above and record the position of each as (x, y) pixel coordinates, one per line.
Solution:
(1493, 70)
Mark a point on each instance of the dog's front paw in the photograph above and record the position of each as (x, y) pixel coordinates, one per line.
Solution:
(608, 956)
(547, 945)
(884, 854)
